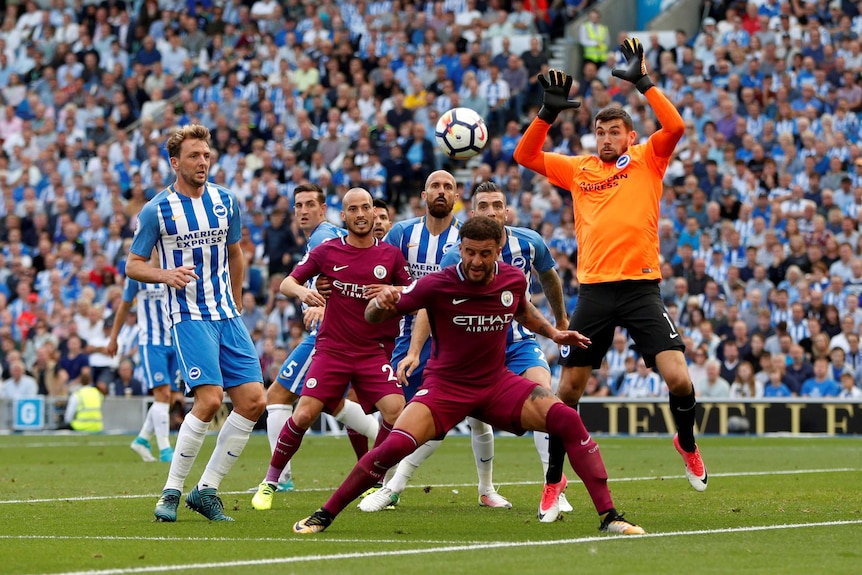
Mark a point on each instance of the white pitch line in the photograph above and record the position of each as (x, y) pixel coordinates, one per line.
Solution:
(226, 539)
(446, 549)
(420, 485)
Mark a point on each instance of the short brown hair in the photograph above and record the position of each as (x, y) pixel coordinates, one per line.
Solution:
(310, 187)
(187, 132)
(614, 113)
(481, 228)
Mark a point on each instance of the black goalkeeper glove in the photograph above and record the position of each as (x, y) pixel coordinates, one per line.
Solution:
(635, 70)
(556, 98)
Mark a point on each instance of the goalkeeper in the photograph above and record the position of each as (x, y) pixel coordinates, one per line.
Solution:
(616, 203)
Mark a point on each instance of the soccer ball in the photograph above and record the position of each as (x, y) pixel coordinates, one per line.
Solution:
(461, 133)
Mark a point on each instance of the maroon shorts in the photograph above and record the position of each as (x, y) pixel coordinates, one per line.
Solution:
(500, 403)
(371, 376)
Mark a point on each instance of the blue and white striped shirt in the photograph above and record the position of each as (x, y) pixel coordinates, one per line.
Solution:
(525, 250)
(423, 251)
(154, 324)
(193, 231)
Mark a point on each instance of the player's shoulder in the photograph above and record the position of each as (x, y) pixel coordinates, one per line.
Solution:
(407, 224)
(638, 151)
(510, 273)
(157, 200)
(527, 234)
(325, 231)
(451, 257)
(221, 190)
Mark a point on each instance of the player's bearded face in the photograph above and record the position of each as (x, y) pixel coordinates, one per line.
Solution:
(440, 194)
(478, 259)
(613, 139)
(360, 220)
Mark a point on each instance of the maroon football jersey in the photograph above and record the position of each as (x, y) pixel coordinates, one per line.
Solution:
(469, 322)
(350, 269)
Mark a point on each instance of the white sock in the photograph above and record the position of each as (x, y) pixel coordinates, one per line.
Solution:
(540, 438)
(146, 431)
(159, 417)
(409, 464)
(190, 438)
(276, 416)
(482, 439)
(229, 445)
(353, 417)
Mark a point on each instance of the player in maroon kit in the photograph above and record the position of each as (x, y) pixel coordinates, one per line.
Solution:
(348, 350)
(470, 307)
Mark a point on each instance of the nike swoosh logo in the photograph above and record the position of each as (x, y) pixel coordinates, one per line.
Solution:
(338, 268)
(412, 246)
(177, 217)
(674, 335)
(378, 466)
(457, 301)
(232, 454)
(184, 455)
(585, 441)
(483, 460)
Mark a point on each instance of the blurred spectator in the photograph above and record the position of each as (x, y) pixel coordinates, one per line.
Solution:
(19, 384)
(125, 383)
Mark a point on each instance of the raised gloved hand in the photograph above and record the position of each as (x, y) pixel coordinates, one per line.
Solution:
(556, 98)
(635, 70)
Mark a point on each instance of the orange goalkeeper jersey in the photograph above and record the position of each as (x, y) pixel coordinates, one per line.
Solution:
(616, 205)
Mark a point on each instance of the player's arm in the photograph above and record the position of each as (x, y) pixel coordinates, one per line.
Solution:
(672, 126)
(528, 152)
(292, 288)
(532, 319)
(382, 307)
(552, 285)
(420, 334)
(138, 268)
(138, 265)
(119, 321)
(236, 267)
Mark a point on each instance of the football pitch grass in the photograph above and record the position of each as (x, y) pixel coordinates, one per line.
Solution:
(76, 504)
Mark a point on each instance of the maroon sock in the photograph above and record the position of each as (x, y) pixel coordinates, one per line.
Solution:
(370, 469)
(563, 421)
(288, 442)
(358, 442)
(382, 433)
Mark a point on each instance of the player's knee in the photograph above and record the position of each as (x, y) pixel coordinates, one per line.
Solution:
(256, 406)
(207, 405)
(679, 384)
(162, 394)
(278, 394)
(303, 416)
(391, 409)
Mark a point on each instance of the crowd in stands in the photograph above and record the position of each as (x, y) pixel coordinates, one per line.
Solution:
(760, 215)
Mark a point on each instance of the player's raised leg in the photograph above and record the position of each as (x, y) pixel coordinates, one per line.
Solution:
(545, 412)
(414, 426)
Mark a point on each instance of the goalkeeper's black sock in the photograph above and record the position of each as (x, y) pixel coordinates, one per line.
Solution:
(682, 408)
(556, 459)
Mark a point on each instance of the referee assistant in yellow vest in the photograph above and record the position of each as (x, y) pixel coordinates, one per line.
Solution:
(84, 409)
(594, 38)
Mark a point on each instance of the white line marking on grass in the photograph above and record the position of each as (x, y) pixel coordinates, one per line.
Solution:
(420, 485)
(446, 549)
(224, 539)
